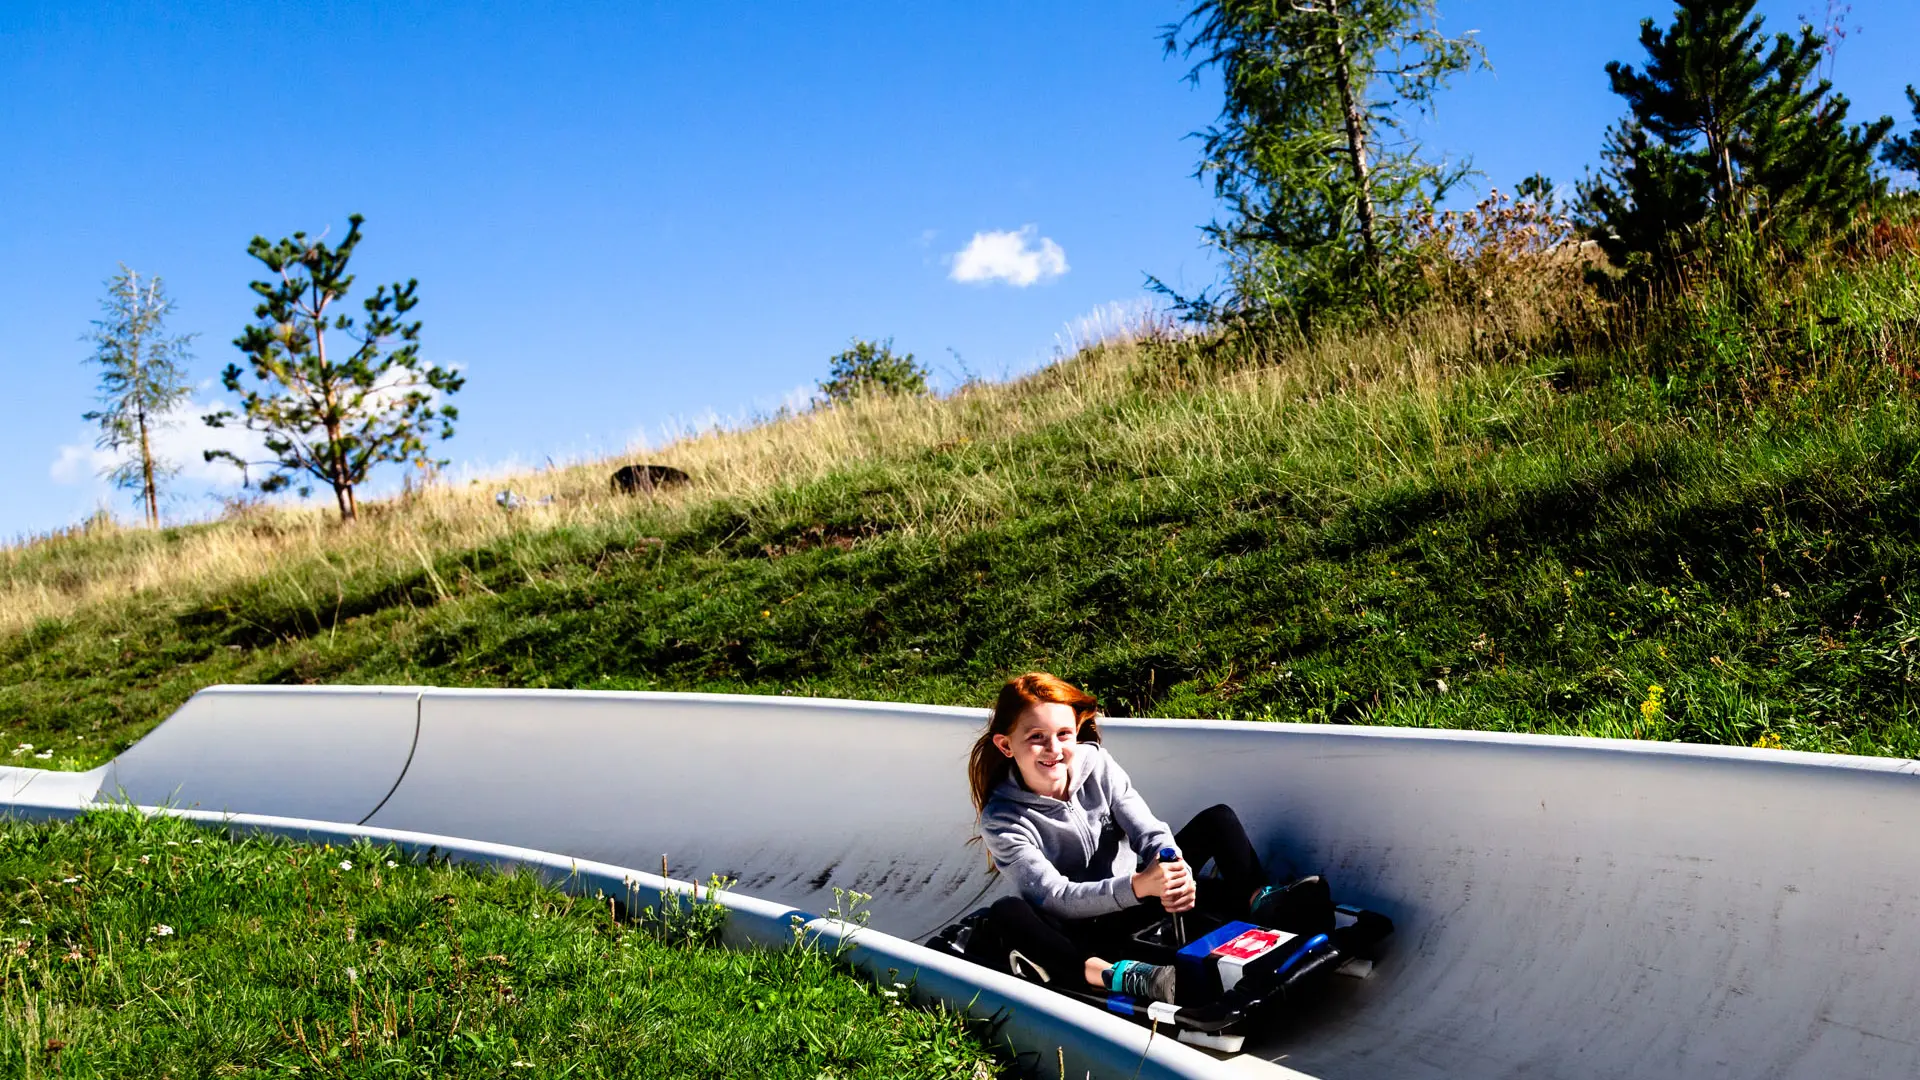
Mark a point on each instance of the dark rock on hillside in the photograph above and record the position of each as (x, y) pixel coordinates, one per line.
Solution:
(643, 479)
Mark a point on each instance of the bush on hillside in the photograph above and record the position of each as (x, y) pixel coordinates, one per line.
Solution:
(872, 367)
(1516, 264)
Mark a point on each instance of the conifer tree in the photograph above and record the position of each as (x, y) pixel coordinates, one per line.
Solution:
(1726, 128)
(1312, 153)
(142, 378)
(1903, 151)
(329, 418)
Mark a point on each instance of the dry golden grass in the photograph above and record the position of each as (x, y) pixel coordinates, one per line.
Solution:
(60, 575)
(1236, 404)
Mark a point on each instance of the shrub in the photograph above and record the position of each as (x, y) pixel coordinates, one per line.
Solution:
(869, 367)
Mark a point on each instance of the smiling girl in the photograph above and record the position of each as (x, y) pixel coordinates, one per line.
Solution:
(1061, 818)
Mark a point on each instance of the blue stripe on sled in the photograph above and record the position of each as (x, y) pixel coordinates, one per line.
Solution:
(1120, 1003)
(1200, 947)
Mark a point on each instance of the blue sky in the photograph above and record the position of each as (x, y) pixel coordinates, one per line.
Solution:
(629, 216)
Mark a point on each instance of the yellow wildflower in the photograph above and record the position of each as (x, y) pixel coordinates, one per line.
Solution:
(1655, 705)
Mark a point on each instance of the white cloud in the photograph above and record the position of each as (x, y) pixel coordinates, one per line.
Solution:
(1011, 257)
(79, 463)
(180, 438)
(797, 399)
(1117, 322)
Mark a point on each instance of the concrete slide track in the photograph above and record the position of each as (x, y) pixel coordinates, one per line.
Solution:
(1565, 907)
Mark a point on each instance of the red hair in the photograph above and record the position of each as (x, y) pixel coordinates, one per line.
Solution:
(988, 765)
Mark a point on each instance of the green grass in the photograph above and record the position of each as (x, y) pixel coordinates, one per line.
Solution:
(1420, 532)
(134, 947)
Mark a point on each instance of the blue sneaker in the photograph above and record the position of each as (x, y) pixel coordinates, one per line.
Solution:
(1138, 980)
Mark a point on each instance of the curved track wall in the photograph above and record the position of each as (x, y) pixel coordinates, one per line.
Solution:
(329, 754)
(1566, 907)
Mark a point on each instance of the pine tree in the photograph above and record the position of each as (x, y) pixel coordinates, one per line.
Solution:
(142, 379)
(333, 420)
(1726, 128)
(1903, 152)
(1312, 153)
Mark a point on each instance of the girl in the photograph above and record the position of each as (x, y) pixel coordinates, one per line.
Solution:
(1060, 817)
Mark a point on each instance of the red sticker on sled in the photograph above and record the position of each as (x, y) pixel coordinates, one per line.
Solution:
(1251, 944)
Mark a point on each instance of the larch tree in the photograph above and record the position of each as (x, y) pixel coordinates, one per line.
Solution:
(325, 416)
(1312, 153)
(142, 380)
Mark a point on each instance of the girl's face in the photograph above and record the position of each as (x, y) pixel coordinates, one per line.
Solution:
(1042, 744)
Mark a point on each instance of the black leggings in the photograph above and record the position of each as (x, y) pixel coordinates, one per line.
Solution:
(1061, 947)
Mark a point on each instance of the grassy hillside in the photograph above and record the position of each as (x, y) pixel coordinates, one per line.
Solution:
(1694, 521)
(153, 948)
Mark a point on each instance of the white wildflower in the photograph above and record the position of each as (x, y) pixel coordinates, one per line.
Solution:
(392, 865)
(345, 864)
(162, 930)
(44, 756)
(144, 859)
(890, 993)
(68, 880)
(352, 975)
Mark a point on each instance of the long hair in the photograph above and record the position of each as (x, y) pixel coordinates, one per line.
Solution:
(987, 766)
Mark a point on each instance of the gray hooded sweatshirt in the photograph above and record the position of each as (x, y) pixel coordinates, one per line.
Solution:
(1074, 857)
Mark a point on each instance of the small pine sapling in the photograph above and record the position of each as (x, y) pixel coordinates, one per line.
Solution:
(333, 420)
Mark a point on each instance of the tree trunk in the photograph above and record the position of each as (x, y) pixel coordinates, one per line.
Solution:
(1351, 106)
(343, 494)
(138, 388)
(146, 472)
(1720, 148)
(336, 463)
(337, 471)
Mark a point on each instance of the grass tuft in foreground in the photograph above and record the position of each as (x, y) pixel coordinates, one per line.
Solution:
(152, 947)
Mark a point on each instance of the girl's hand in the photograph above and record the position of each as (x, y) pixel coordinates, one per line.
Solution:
(1171, 882)
(1181, 891)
